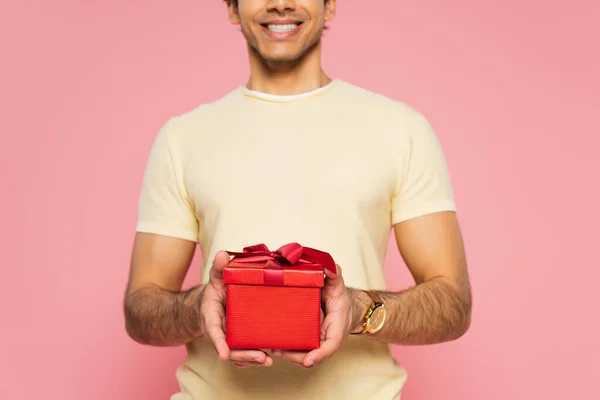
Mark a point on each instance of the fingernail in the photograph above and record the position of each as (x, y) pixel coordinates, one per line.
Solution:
(277, 353)
(310, 363)
(257, 359)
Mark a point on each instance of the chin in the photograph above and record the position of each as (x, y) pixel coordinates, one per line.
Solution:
(280, 56)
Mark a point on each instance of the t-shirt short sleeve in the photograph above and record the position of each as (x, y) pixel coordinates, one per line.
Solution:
(164, 207)
(424, 185)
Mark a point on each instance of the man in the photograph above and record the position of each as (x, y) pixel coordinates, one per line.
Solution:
(295, 156)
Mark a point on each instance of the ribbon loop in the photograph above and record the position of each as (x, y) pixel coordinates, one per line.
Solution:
(290, 254)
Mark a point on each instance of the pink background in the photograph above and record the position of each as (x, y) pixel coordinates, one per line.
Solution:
(511, 87)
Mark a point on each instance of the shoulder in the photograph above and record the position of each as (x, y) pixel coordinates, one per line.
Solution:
(204, 115)
(199, 123)
(396, 115)
(377, 104)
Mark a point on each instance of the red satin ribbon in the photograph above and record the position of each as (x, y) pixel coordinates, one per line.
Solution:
(291, 254)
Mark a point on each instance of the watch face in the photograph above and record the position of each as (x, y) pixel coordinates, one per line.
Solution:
(377, 319)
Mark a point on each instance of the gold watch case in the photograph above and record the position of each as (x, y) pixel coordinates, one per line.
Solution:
(375, 316)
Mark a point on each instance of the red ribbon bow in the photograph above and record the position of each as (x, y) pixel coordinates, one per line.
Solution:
(291, 254)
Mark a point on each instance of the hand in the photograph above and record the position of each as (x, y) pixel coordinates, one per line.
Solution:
(212, 311)
(338, 322)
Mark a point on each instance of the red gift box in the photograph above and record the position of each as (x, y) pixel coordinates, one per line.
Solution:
(274, 297)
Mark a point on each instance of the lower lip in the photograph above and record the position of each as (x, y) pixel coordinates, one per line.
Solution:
(281, 35)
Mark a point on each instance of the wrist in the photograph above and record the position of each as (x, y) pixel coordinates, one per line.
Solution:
(194, 297)
(193, 302)
(360, 305)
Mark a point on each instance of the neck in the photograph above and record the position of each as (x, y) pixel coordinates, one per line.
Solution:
(287, 78)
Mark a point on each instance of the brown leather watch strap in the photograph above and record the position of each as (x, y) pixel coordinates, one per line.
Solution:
(374, 296)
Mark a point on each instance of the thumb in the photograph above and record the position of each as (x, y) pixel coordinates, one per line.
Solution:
(219, 262)
(334, 277)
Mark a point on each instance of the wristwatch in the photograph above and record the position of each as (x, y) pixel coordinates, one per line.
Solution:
(375, 316)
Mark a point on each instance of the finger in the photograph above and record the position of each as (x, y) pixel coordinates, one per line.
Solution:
(293, 356)
(213, 323)
(255, 357)
(327, 349)
(244, 365)
(334, 337)
(216, 335)
(250, 363)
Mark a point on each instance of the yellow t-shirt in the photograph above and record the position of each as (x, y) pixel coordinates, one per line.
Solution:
(331, 169)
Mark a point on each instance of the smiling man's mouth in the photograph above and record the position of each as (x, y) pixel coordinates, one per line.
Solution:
(281, 28)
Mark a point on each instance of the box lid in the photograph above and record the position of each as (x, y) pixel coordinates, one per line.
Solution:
(270, 273)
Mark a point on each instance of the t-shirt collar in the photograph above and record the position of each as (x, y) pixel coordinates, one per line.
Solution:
(286, 98)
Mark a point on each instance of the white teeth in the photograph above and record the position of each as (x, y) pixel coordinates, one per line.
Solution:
(282, 28)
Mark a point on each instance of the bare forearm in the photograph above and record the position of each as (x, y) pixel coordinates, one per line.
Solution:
(159, 317)
(432, 312)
